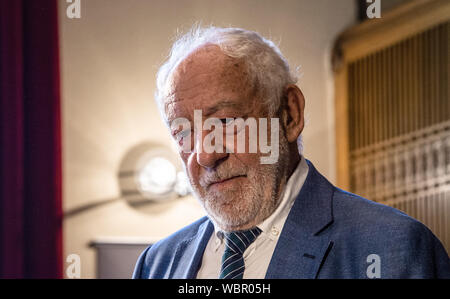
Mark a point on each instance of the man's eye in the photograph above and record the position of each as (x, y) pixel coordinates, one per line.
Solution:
(183, 134)
(227, 121)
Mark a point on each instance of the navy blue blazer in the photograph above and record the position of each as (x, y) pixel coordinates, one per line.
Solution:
(329, 233)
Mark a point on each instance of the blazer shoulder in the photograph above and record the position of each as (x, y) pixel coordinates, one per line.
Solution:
(157, 257)
(405, 243)
(182, 234)
(349, 208)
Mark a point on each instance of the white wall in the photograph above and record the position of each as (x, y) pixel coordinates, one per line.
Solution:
(109, 60)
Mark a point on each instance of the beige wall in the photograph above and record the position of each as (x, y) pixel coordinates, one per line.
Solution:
(109, 59)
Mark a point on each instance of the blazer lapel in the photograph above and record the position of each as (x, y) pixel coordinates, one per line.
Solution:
(189, 253)
(305, 242)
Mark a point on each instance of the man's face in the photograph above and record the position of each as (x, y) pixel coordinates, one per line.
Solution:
(236, 190)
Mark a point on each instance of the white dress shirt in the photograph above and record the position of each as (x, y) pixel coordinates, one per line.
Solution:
(258, 255)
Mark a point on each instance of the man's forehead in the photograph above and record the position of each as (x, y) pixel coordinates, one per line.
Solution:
(207, 80)
(208, 52)
(209, 108)
(208, 58)
(208, 61)
(179, 109)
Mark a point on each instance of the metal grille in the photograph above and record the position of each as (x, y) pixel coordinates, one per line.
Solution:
(399, 128)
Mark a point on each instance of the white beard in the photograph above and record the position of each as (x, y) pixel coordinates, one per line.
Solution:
(248, 203)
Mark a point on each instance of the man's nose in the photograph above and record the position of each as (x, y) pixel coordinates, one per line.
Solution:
(209, 158)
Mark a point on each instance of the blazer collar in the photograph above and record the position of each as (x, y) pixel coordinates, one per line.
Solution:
(189, 254)
(304, 242)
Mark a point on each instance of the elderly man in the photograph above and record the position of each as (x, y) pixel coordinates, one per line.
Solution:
(276, 219)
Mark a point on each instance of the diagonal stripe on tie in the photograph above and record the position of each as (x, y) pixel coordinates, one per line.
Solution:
(233, 265)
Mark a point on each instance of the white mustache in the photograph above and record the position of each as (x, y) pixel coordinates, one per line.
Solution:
(214, 177)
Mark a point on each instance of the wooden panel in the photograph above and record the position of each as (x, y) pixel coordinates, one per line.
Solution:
(403, 22)
(342, 130)
(393, 112)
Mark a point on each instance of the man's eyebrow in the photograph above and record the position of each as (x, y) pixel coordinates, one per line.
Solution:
(210, 110)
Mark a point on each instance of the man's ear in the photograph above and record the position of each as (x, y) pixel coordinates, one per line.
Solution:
(294, 107)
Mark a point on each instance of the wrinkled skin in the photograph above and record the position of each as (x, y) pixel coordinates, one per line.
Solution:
(236, 190)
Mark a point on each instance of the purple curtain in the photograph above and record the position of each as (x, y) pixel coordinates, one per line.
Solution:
(30, 140)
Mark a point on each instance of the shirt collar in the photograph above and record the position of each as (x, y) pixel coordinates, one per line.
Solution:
(272, 225)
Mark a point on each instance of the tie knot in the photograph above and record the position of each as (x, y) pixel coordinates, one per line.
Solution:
(238, 241)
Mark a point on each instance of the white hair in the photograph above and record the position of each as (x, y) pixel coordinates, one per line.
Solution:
(269, 71)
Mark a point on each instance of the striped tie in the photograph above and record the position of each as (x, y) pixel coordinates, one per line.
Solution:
(233, 260)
